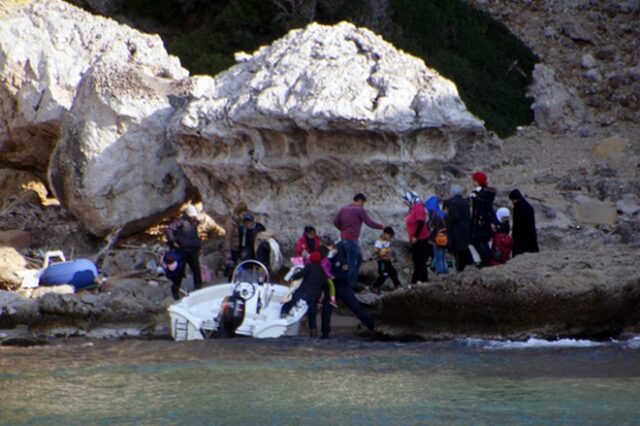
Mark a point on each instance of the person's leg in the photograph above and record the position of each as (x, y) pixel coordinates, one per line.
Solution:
(312, 313)
(382, 274)
(352, 249)
(346, 294)
(327, 310)
(393, 274)
(441, 266)
(193, 260)
(419, 257)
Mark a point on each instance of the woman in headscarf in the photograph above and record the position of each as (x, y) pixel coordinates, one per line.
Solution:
(416, 224)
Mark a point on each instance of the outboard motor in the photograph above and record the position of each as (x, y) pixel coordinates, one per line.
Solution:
(231, 315)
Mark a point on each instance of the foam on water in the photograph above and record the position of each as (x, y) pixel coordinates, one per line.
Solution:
(534, 343)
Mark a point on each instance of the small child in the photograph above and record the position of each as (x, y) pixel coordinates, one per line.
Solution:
(326, 266)
(501, 242)
(384, 255)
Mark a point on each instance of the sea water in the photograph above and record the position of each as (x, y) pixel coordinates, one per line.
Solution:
(299, 381)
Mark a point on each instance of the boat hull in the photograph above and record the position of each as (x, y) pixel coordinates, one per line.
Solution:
(196, 317)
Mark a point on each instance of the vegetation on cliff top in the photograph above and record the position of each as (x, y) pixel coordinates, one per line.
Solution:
(490, 66)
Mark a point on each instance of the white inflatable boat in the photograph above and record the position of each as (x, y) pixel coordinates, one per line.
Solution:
(249, 305)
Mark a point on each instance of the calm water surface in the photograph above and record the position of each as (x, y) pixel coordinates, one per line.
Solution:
(302, 381)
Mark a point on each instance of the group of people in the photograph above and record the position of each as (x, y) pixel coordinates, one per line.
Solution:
(467, 227)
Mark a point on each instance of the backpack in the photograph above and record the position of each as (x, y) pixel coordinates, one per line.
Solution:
(441, 239)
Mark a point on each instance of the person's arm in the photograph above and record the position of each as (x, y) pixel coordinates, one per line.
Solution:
(170, 234)
(367, 220)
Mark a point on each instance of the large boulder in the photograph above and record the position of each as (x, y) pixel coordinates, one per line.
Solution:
(42, 65)
(301, 126)
(593, 292)
(110, 86)
(114, 167)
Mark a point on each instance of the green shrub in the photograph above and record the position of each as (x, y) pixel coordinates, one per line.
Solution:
(490, 66)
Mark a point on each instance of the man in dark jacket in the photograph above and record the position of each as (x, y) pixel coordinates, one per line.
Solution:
(344, 292)
(313, 281)
(482, 216)
(523, 232)
(182, 236)
(248, 232)
(458, 227)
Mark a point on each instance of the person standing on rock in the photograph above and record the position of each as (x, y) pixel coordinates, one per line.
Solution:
(248, 233)
(308, 243)
(525, 237)
(482, 216)
(418, 232)
(182, 236)
(232, 229)
(458, 227)
(349, 222)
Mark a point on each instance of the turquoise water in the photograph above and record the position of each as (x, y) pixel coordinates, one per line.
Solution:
(303, 381)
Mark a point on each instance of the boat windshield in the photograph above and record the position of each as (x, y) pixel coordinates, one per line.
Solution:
(250, 271)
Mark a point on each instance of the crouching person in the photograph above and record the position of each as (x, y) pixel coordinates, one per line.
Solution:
(174, 269)
(313, 280)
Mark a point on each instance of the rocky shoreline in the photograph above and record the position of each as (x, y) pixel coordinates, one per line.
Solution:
(267, 131)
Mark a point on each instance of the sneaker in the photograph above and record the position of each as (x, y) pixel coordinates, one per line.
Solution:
(333, 302)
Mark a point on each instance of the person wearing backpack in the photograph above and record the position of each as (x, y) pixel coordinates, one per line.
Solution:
(501, 242)
(438, 237)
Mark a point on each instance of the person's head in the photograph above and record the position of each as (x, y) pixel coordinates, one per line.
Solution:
(170, 261)
(310, 231)
(515, 196)
(410, 198)
(323, 250)
(240, 209)
(191, 212)
(455, 190)
(432, 204)
(359, 199)
(388, 233)
(315, 257)
(480, 179)
(502, 214)
(248, 221)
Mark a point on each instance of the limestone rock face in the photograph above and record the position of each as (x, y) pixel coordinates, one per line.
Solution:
(301, 126)
(113, 167)
(43, 62)
(556, 107)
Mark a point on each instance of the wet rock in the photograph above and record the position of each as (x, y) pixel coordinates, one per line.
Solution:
(15, 310)
(11, 261)
(322, 114)
(584, 293)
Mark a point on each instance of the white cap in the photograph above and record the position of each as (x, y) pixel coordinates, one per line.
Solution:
(502, 213)
(191, 211)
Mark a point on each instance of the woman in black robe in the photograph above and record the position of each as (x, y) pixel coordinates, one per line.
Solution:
(523, 231)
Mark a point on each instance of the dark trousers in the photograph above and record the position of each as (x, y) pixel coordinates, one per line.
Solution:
(462, 258)
(482, 245)
(386, 270)
(419, 254)
(192, 258)
(312, 307)
(345, 294)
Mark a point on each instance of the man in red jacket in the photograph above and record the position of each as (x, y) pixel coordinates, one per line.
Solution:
(349, 221)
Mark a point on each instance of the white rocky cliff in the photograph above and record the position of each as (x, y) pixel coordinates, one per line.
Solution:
(98, 92)
(299, 127)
